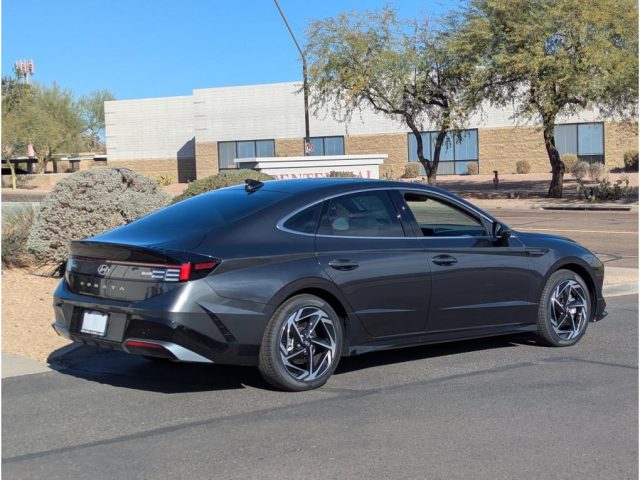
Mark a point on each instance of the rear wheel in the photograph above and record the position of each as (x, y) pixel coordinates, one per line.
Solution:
(302, 344)
(565, 309)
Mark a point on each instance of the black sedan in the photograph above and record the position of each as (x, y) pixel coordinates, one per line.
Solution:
(292, 275)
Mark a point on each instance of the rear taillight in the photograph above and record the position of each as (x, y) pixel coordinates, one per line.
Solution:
(185, 272)
(116, 270)
(194, 271)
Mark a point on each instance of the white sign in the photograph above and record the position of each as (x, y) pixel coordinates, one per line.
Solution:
(362, 166)
(308, 148)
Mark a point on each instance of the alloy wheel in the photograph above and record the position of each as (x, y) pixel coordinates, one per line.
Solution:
(308, 343)
(569, 309)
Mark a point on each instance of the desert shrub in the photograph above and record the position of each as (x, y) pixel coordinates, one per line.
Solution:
(569, 160)
(596, 171)
(22, 181)
(523, 166)
(411, 170)
(164, 180)
(631, 160)
(580, 170)
(221, 180)
(87, 203)
(472, 168)
(337, 174)
(605, 190)
(16, 226)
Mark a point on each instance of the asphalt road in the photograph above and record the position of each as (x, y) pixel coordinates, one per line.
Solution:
(499, 408)
(611, 235)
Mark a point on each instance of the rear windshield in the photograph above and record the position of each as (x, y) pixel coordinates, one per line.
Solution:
(209, 210)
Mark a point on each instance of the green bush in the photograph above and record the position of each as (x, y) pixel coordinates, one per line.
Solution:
(472, 168)
(596, 171)
(605, 190)
(411, 170)
(569, 160)
(16, 226)
(221, 180)
(164, 180)
(523, 166)
(87, 203)
(631, 160)
(337, 174)
(580, 170)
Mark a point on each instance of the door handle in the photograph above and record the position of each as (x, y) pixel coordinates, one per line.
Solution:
(444, 260)
(343, 264)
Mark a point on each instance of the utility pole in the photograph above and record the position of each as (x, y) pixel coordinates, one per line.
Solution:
(308, 148)
(23, 69)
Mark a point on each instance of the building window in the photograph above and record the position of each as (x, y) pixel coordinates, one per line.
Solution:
(586, 140)
(229, 151)
(456, 153)
(327, 146)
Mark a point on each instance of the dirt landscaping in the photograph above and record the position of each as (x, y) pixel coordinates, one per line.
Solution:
(27, 315)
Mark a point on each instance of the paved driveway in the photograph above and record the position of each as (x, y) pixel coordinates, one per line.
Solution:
(500, 408)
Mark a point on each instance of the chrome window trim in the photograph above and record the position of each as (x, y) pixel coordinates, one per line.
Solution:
(280, 225)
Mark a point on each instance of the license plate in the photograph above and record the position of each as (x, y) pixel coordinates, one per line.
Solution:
(94, 323)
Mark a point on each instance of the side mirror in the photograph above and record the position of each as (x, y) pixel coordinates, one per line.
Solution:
(501, 231)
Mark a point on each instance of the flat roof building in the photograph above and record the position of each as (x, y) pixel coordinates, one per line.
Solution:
(193, 136)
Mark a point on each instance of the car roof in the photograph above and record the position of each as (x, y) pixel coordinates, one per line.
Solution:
(316, 185)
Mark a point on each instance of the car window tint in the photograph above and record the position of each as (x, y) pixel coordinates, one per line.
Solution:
(212, 209)
(437, 218)
(305, 221)
(368, 214)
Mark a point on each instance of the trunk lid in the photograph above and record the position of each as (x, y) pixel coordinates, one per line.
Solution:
(131, 273)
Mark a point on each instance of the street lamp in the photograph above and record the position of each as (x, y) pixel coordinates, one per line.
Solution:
(308, 148)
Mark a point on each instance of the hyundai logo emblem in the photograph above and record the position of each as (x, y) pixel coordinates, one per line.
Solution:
(103, 270)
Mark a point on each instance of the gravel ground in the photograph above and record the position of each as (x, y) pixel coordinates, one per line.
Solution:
(27, 315)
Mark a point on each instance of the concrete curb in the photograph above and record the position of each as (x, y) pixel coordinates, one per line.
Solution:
(16, 366)
(587, 207)
(620, 289)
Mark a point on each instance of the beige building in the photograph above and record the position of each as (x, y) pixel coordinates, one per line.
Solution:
(193, 136)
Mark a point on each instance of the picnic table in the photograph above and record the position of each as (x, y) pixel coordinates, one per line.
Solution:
(29, 161)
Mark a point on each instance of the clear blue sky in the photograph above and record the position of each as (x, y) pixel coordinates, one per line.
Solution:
(152, 48)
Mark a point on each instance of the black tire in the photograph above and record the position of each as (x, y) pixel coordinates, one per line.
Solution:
(569, 331)
(323, 345)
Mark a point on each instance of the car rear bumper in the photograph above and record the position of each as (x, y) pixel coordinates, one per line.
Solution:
(205, 328)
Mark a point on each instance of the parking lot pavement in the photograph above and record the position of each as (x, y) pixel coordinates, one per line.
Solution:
(613, 236)
(497, 408)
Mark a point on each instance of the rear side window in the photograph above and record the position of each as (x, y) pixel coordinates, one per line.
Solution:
(305, 221)
(367, 214)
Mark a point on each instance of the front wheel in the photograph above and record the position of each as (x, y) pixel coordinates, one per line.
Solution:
(302, 344)
(565, 309)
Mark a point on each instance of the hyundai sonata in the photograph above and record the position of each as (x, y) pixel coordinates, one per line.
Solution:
(292, 275)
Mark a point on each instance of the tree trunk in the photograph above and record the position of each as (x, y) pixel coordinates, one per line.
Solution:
(557, 167)
(420, 151)
(437, 148)
(12, 168)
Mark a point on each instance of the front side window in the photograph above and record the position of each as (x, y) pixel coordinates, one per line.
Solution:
(456, 153)
(229, 151)
(437, 218)
(368, 214)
